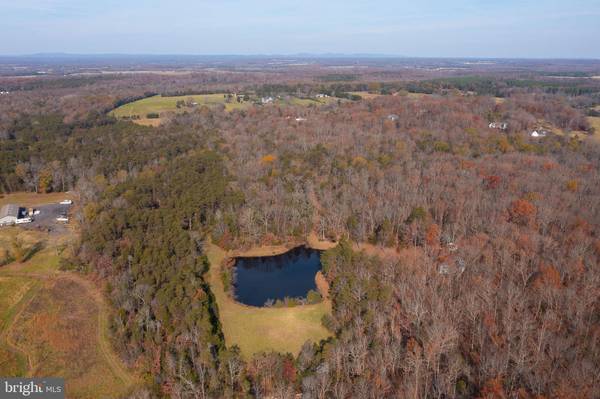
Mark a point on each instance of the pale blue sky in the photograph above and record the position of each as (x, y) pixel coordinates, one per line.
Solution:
(453, 28)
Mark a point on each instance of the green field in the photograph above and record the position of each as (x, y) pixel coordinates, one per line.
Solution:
(139, 110)
(159, 104)
(264, 329)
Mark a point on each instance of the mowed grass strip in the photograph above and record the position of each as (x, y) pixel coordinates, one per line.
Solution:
(256, 329)
(33, 199)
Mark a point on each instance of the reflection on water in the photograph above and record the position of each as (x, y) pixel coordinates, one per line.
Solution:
(291, 274)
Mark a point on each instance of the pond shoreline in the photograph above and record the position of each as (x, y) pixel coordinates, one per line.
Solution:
(256, 329)
(311, 242)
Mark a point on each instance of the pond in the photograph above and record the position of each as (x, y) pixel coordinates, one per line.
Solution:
(292, 275)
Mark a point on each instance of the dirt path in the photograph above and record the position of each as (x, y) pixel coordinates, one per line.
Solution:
(104, 346)
(18, 309)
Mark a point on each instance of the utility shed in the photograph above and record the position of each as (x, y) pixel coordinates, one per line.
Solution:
(9, 214)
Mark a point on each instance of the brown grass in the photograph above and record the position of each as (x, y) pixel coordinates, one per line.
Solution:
(376, 250)
(262, 250)
(595, 123)
(322, 285)
(32, 199)
(314, 242)
(55, 323)
(58, 330)
(256, 329)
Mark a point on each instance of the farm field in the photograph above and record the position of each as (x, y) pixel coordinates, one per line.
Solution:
(138, 110)
(55, 323)
(159, 104)
(366, 95)
(306, 102)
(595, 122)
(264, 329)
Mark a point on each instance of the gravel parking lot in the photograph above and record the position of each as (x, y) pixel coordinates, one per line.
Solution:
(46, 219)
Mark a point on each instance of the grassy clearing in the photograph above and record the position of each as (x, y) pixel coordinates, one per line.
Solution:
(366, 95)
(264, 329)
(55, 323)
(33, 199)
(595, 122)
(306, 102)
(159, 104)
(8, 234)
(15, 294)
(60, 339)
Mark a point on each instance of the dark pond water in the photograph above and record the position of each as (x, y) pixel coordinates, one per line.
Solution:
(291, 274)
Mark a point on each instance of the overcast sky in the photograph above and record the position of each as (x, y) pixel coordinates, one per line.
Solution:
(444, 28)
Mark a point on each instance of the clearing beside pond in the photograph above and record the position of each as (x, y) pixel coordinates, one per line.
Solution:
(256, 329)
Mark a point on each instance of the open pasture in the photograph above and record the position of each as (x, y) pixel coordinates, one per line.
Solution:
(257, 329)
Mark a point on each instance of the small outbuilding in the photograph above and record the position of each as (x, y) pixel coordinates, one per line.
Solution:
(9, 214)
(539, 133)
(498, 125)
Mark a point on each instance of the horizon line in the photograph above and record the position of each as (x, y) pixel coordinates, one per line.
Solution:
(300, 55)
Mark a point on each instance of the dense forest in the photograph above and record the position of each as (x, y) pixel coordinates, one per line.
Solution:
(468, 257)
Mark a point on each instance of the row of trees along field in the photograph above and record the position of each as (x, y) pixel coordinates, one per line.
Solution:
(490, 287)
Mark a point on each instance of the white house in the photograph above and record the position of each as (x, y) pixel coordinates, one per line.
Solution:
(9, 214)
(539, 133)
(498, 125)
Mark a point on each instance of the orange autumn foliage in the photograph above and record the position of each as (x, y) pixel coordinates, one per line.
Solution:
(432, 236)
(522, 212)
(549, 276)
(268, 159)
(493, 389)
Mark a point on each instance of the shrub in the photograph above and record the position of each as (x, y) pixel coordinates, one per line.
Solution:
(313, 297)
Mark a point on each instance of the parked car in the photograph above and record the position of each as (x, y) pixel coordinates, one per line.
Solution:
(66, 202)
(62, 218)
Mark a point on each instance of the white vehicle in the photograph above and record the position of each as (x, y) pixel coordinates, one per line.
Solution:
(66, 202)
(36, 212)
(62, 219)
(24, 220)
